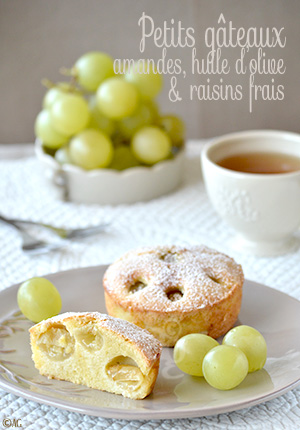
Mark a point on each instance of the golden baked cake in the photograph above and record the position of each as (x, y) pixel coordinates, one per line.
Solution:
(173, 291)
(97, 350)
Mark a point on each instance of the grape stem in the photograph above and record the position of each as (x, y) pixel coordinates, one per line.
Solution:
(47, 83)
(68, 72)
(74, 77)
(71, 88)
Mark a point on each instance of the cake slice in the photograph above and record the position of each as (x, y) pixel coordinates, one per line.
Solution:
(98, 351)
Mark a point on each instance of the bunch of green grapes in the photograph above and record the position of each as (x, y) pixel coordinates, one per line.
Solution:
(101, 119)
(225, 366)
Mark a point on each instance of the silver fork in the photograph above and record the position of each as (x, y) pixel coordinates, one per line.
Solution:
(29, 243)
(64, 233)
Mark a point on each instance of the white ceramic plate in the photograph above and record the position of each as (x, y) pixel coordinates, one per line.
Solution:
(175, 395)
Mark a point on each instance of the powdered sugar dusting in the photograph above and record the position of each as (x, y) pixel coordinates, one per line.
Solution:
(144, 340)
(201, 276)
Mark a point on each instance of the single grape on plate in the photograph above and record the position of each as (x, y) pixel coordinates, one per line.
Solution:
(190, 350)
(251, 342)
(225, 367)
(38, 299)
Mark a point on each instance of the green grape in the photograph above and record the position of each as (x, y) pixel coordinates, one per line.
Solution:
(56, 91)
(45, 131)
(91, 149)
(190, 351)
(154, 108)
(174, 127)
(98, 120)
(117, 98)
(151, 145)
(144, 115)
(38, 299)
(123, 158)
(225, 367)
(251, 342)
(148, 81)
(92, 69)
(62, 155)
(51, 96)
(70, 114)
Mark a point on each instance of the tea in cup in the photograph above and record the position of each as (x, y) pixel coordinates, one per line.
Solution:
(253, 181)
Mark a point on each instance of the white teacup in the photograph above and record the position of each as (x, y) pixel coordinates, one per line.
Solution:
(264, 209)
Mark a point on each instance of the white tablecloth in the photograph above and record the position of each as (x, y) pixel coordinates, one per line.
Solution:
(183, 217)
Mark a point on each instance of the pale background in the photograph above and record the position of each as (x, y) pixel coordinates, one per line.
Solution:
(37, 37)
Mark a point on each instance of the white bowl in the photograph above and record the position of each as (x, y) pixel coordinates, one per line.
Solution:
(108, 186)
